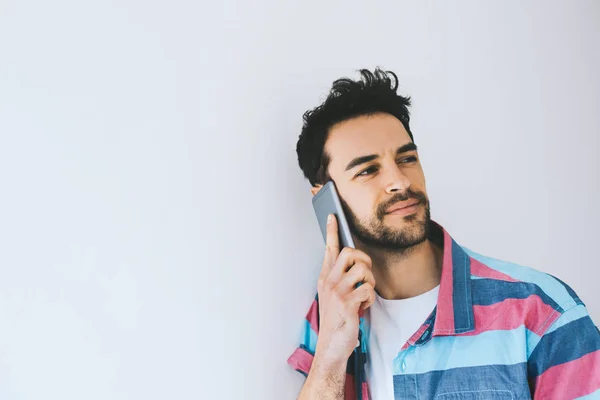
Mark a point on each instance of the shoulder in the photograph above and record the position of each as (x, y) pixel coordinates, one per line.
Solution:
(524, 296)
(526, 281)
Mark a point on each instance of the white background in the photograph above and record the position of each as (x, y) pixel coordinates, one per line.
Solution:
(157, 239)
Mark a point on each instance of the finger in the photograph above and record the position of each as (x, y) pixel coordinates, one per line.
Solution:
(369, 302)
(347, 258)
(332, 246)
(362, 297)
(359, 272)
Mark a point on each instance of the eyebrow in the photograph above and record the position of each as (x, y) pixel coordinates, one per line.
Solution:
(365, 159)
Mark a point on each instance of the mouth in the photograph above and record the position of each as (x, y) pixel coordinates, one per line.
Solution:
(404, 208)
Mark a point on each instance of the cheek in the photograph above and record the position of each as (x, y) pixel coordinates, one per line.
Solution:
(417, 180)
(361, 206)
(360, 210)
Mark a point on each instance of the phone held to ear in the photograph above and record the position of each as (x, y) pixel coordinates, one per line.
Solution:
(325, 202)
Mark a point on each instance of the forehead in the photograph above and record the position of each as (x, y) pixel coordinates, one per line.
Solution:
(370, 134)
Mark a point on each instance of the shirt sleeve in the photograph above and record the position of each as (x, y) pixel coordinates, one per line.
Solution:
(565, 363)
(301, 359)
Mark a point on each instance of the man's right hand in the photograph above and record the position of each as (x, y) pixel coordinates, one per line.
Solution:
(339, 298)
(339, 304)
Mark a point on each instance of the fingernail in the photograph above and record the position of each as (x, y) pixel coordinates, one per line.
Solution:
(329, 219)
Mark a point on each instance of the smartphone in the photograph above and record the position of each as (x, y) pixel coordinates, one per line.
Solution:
(325, 202)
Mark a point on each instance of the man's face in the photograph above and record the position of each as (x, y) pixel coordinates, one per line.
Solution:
(377, 172)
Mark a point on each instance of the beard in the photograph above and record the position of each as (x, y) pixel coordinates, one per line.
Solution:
(376, 233)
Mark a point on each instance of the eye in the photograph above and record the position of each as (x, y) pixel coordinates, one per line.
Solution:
(409, 159)
(367, 171)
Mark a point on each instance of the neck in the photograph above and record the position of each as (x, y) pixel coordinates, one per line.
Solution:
(405, 274)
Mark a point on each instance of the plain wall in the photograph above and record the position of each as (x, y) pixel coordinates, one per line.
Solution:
(157, 239)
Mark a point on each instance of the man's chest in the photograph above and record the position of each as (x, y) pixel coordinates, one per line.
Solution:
(488, 365)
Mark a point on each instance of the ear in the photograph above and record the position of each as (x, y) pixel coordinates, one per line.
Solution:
(315, 189)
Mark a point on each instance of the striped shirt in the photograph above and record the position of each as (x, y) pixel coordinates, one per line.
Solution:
(498, 331)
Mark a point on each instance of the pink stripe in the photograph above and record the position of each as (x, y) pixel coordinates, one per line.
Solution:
(301, 360)
(313, 316)
(444, 321)
(512, 313)
(365, 391)
(483, 271)
(349, 388)
(570, 380)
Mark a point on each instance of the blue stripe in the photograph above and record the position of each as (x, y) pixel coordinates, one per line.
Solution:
(591, 396)
(547, 283)
(492, 291)
(499, 347)
(569, 290)
(567, 343)
(426, 335)
(461, 290)
(532, 341)
(573, 314)
(491, 382)
(309, 340)
(362, 326)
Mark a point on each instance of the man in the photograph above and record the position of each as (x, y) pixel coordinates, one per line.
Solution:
(433, 319)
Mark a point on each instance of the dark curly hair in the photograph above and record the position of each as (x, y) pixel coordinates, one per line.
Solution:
(375, 92)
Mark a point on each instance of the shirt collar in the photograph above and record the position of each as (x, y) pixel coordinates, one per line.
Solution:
(454, 311)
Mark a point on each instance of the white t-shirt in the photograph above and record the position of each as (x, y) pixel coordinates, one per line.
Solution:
(392, 323)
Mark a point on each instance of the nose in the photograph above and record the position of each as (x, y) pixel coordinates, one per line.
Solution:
(395, 180)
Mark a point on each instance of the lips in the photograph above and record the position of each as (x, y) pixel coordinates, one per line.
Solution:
(402, 204)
